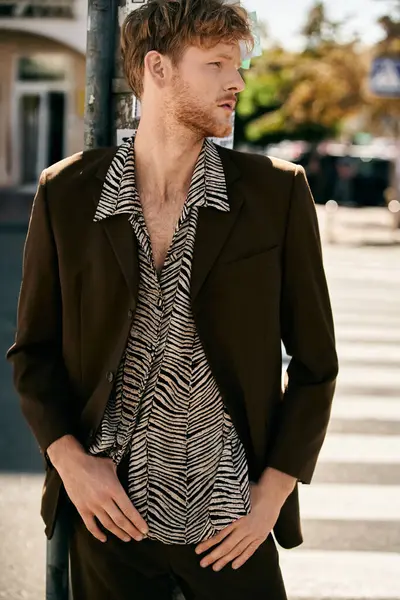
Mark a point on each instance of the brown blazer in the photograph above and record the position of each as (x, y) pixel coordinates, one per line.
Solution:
(257, 279)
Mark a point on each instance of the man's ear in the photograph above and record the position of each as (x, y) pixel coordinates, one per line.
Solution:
(157, 67)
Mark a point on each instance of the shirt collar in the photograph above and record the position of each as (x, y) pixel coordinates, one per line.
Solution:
(119, 193)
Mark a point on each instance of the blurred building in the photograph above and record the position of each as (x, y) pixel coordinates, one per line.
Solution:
(42, 85)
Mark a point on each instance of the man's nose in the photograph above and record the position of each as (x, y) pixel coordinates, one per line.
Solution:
(237, 84)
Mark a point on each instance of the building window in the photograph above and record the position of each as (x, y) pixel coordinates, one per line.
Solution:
(55, 9)
(43, 67)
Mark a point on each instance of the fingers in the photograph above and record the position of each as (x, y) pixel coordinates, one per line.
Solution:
(217, 539)
(112, 520)
(232, 555)
(109, 524)
(244, 557)
(235, 543)
(98, 494)
(228, 552)
(225, 548)
(122, 524)
(92, 526)
(126, 507)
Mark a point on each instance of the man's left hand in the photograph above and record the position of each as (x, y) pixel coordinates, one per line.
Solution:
(239, 541)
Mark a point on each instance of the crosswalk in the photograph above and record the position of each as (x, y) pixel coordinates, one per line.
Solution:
(351, 511)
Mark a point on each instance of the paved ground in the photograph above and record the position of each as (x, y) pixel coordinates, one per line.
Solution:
(351, 511)
(15, 206)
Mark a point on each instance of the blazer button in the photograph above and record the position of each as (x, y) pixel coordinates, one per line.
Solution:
(110, 376)
(130, 313)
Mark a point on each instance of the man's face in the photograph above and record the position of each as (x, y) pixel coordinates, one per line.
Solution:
(202, 95)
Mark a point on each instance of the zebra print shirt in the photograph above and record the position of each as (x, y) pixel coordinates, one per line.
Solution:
(188, 473)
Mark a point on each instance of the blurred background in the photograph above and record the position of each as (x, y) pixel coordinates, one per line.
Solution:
(325, 94)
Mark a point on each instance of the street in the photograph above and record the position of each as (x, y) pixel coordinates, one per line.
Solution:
(351, 512)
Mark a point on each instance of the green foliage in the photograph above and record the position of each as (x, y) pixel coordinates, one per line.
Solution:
(290, 93)
(310, 95)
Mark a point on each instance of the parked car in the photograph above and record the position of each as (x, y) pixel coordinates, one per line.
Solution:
(353, 175)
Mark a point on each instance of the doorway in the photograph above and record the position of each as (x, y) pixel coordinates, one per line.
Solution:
(40, 99)
(41, 131)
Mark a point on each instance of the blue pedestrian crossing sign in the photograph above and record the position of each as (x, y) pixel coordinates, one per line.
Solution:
(385, 77)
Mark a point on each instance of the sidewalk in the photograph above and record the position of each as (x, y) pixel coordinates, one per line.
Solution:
(369, 226)
(15, 207)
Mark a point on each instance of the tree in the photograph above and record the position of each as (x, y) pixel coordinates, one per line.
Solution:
(311, 95)
(318, 28)
(304, 95)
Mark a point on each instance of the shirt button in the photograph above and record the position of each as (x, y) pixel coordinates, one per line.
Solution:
(159, 302)
(110, 376)
(116, 453)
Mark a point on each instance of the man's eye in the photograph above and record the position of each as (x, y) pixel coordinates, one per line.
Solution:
(216, 64)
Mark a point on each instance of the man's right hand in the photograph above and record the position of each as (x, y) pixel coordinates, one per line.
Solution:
(93, 487)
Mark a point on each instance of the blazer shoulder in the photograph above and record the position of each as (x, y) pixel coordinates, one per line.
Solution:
(81, 163)
(278, 164)
(262, 164)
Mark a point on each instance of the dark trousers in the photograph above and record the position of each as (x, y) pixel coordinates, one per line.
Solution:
(145, 570)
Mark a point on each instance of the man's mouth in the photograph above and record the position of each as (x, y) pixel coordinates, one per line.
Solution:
(228, 105)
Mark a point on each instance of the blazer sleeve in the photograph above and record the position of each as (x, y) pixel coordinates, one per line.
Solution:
(308, 335)
(40, 376)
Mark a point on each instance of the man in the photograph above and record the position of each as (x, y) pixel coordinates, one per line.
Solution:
(159, 280)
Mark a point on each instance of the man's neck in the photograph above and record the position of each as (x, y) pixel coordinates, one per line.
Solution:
(165, 158)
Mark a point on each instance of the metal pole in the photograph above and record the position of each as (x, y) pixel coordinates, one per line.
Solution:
(100, 60)
(99, 72)
(57, 559)
(125, 106)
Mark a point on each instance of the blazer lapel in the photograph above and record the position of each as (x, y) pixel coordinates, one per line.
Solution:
(213, 230)
(122, 239)
(214, 227)
(120, 235)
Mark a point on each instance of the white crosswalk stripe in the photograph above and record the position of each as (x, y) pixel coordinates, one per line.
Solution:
(345, 448)
(350, 502)
(342, 575)
(351, 511)
(374, 354)
(355, 407)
